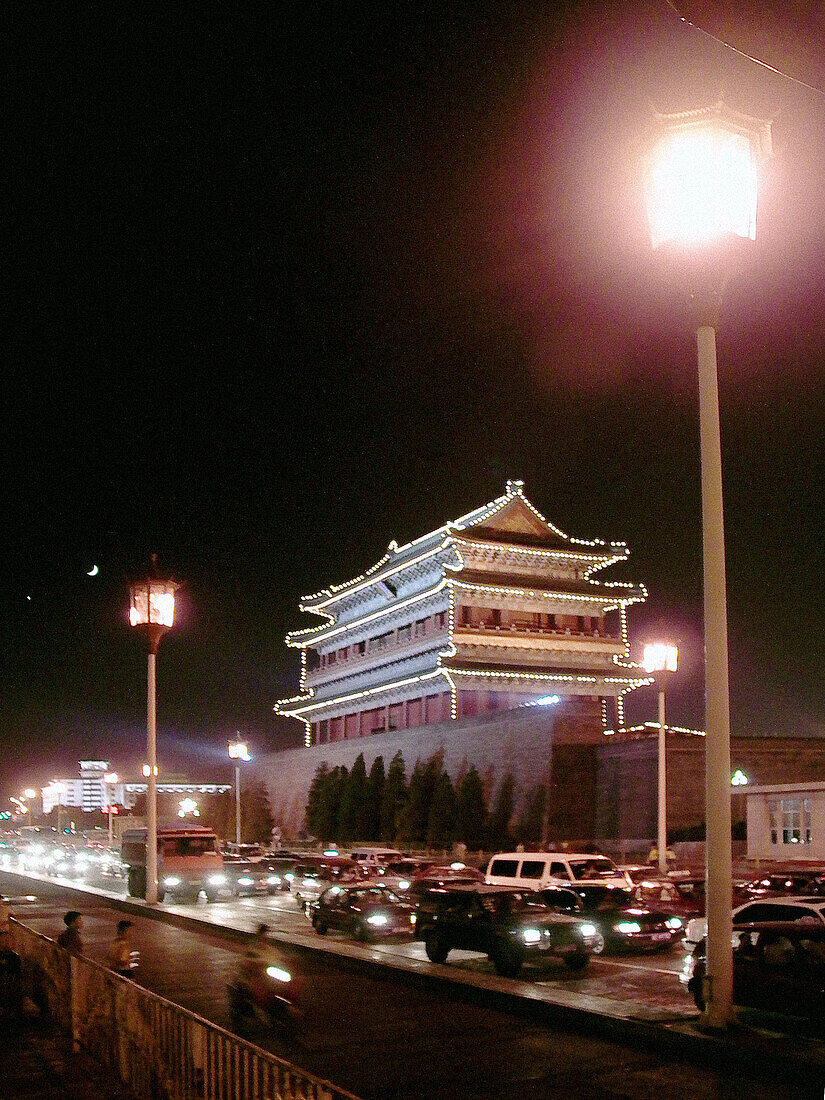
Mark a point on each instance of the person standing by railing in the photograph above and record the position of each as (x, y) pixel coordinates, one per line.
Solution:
(70, 936)
(120, 952)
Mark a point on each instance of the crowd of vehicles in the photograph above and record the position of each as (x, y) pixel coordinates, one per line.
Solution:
(522, 909)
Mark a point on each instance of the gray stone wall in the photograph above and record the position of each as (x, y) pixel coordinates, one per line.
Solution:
(519, 741)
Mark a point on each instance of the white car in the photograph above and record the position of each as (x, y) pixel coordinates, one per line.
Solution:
(762, 909)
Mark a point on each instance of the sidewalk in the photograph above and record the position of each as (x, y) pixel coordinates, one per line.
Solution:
(37, 1063)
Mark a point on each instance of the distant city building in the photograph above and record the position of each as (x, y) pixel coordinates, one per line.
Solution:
(492, 611)
(90, 793)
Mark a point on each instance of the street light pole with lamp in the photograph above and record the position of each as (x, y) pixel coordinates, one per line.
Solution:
(111, 779)
(661, 660)
(238, 751)
(701, 199)
(152, 610)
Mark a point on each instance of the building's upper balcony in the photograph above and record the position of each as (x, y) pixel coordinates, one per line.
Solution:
(529, 635)
(392, 646)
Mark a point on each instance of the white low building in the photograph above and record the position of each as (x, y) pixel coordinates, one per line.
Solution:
(786, 821)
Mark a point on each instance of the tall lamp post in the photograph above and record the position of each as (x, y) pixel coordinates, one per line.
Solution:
(110, 779)
(662, 660)
(238, 751)
(701, 192)
(152, 610)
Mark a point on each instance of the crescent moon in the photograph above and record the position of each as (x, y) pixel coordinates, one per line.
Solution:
(93, 572)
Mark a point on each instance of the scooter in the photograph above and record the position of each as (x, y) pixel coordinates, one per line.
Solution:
(269, 1000)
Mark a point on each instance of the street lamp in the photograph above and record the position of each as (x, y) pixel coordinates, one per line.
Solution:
(152, 610)
(60, 790)
(701, 192)
(110, 779)
(661, 660)
(238, 751)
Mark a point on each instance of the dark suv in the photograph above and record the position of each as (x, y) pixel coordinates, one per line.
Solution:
(511, 926)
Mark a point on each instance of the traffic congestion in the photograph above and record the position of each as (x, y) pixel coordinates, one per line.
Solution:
(623, 931)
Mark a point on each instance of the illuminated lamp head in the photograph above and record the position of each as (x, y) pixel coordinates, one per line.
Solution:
(701, 176)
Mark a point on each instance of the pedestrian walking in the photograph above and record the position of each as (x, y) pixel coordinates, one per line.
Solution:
(120, 952)
(70, 936)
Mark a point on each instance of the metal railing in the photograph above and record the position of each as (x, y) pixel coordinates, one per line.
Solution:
(159, 1050)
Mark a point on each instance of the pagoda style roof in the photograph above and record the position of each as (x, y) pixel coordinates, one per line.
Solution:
(508, 521)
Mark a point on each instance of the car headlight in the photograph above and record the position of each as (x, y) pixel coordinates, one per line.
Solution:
(403, 884)
(531, 935)
(217, 880)
(274, 880)
(173, 880)
(588, 929)
(377, 919)
(279, 974)
(628, 927)
(244, 881)
(675, 923)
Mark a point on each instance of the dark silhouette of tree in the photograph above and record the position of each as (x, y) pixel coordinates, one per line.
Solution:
(499, 837)
(393, 798)
(324, 801)
(318, 793)
(351, 812)
(413, 824)
(531, 821)
(441, 820)
(256, 813)
(471, 810)
(374, 797)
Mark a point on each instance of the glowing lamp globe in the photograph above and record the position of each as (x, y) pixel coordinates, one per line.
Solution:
(660, 657)
(701, 178)
(238, 750)
(152, 603)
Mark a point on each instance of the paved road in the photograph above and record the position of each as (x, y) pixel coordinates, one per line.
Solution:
(385, 1039)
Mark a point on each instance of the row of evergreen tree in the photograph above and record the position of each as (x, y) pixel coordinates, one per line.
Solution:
(344, 806)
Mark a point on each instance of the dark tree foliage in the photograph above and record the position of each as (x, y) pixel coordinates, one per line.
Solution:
(316, 797)
(374, 797)
(351, 812)
(471, 810)
(499, 837)
(531, 822)
(441, 820)
(256, 814)
(416, 812)
(393, 798)
(324, 801)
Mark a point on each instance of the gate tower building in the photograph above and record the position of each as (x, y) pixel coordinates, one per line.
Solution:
(491, 611)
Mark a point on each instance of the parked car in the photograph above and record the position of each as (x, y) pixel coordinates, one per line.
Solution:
(249, 877)
(400, 874)
(283, 867)
(512, 927)
(366, 911)
(538, 870)
(682, 895)
(787, 883)
(452, 875)
(311, 878)
(621, 922)
(777, 967)
(810, 909)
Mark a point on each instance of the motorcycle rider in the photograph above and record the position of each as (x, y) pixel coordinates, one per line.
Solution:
(256, 991)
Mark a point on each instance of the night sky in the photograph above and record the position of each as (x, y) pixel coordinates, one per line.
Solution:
(284, 286)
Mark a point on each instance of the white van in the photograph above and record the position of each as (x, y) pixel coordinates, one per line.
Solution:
(535, 870)
(372, 860)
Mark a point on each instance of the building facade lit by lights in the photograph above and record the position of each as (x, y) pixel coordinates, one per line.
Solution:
(492, 611)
